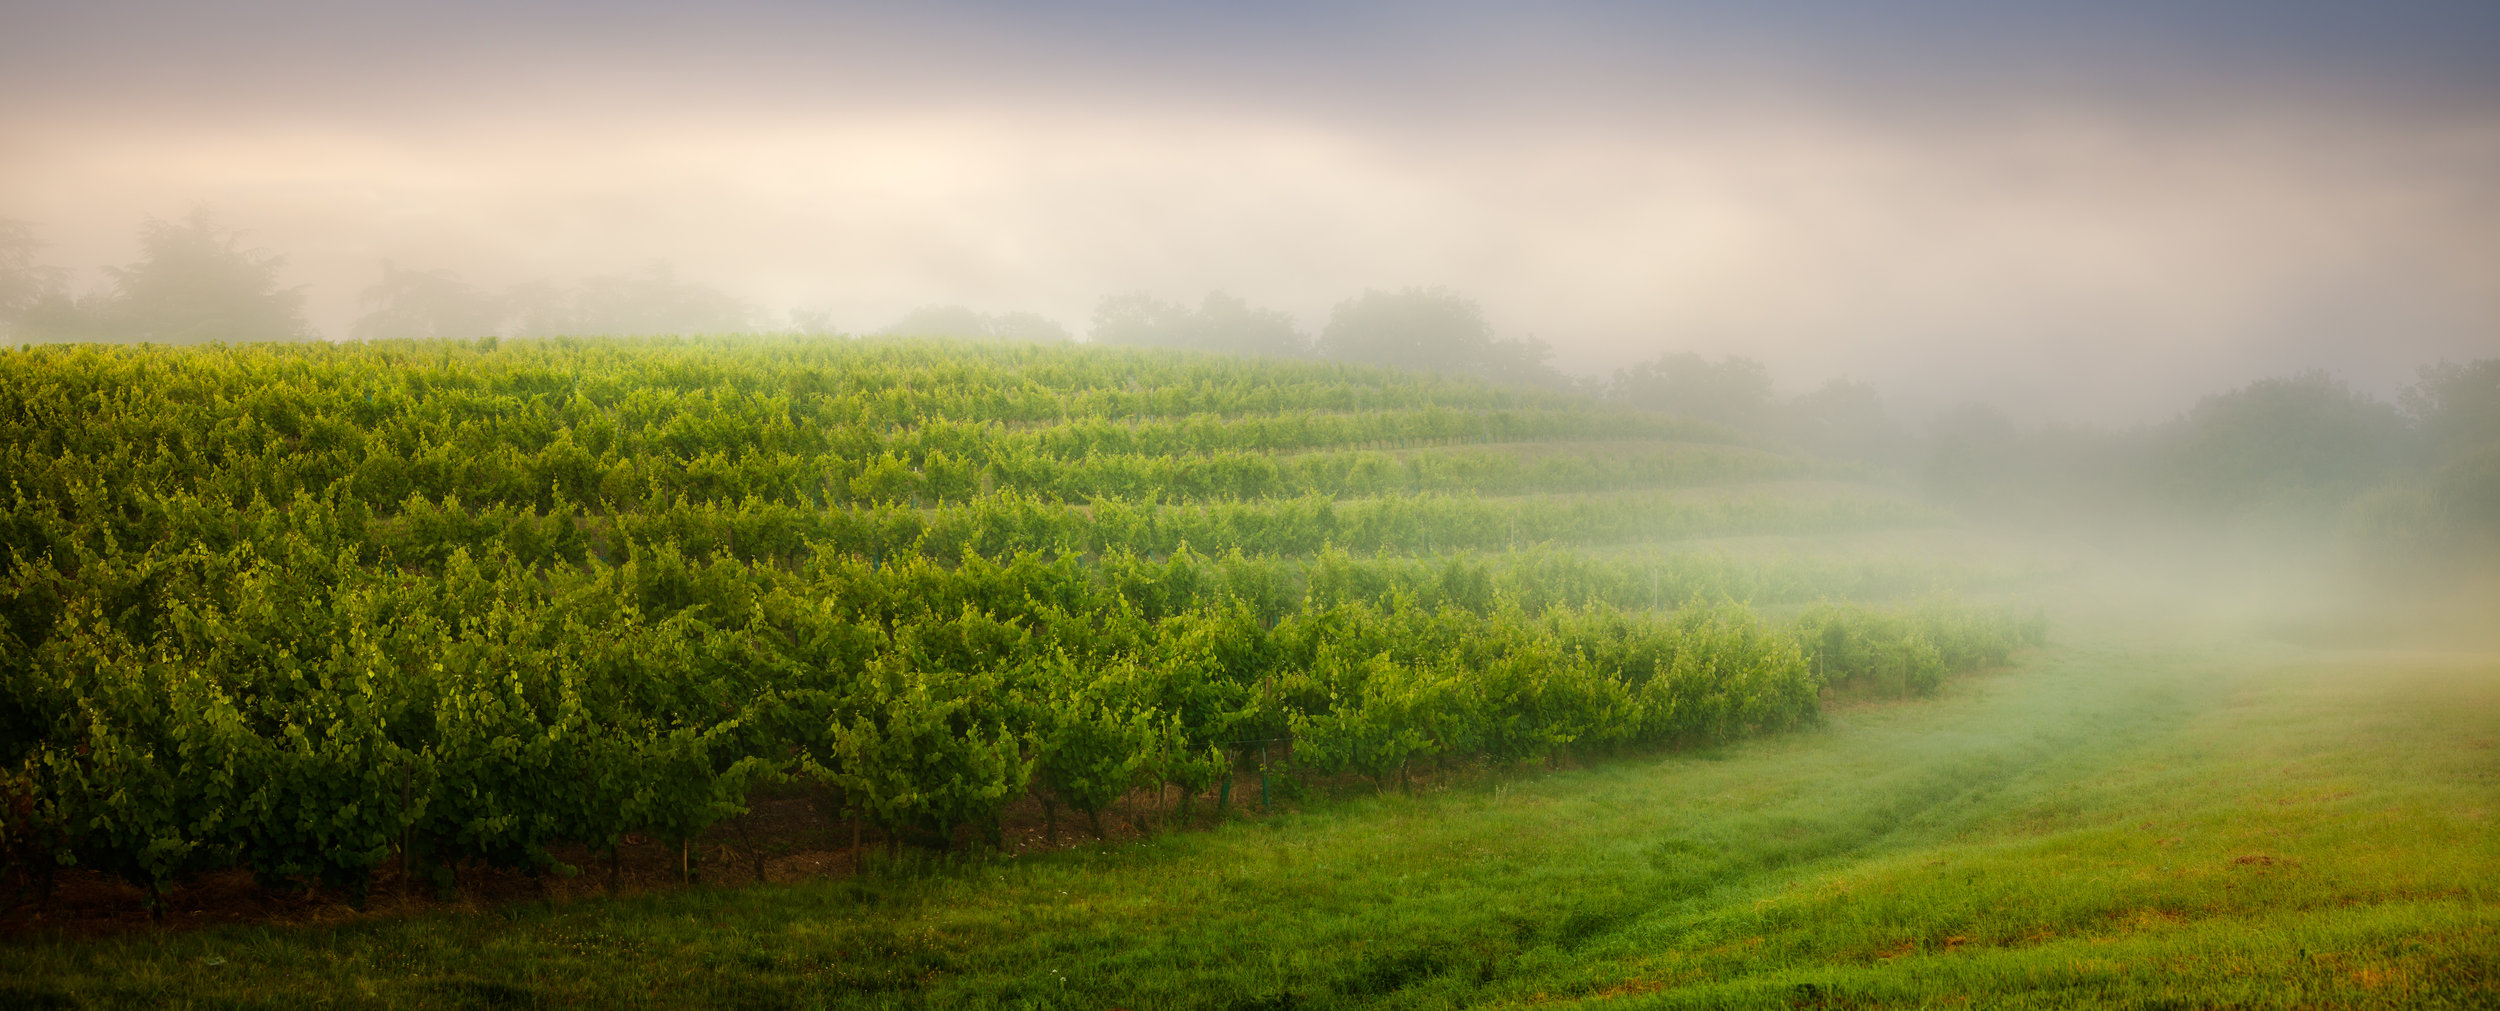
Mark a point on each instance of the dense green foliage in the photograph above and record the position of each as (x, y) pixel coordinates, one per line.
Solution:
(1909, 652)
(2130, 819)
(308, 609)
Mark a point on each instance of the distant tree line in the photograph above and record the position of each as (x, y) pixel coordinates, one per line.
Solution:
(418, 305)
(2415, 482)
(193, 282)
(2420, 475)
(1843, 418)
(197, 282)
(2298, 445)
(2411, 488)
(1429, 329)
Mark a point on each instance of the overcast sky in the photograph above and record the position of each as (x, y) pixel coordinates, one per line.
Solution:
(2079, 212)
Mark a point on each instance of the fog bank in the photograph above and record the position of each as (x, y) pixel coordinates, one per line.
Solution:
(2094, 217)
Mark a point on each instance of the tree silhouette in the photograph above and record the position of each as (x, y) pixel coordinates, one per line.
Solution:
(1731, 391)
(2305, 439)
(22, 281)
(1229, 324)
(1843, 418)
(1221, 323)
(420, 304)
(812, 322)
(1137, 319)
(1431, 328)
(2456, 406)
(33, 302)
(194, 282)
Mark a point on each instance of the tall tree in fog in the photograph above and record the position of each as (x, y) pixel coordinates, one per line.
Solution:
(2453, 511)
(420, 304)
(1731, 391)
(22, 280)
(2298, 440)
(1430, 328)
(1232, 325)
(195, 282)
(1418, 328)
(2456, 407)
(812, 322)
(1137, 319)
(1221, 323)
(33, 301)
(1843, 418)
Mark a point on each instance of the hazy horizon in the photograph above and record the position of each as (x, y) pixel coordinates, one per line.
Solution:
(2075, 215)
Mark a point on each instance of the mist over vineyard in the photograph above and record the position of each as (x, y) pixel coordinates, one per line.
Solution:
(969, 505)
(396, 617)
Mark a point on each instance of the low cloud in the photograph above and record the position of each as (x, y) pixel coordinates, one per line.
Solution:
(2071, 253)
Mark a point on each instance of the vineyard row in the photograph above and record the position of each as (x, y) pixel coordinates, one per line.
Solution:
(291, 711)
(118, 519)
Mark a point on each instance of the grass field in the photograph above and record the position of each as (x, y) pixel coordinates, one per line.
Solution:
(2136, 815)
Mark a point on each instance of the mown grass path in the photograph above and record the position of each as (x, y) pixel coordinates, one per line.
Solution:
(2123, 819)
